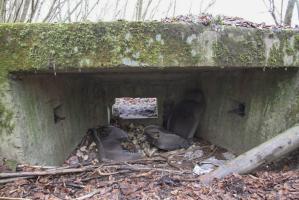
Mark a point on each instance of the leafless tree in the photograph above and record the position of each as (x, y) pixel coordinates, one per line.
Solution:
(45, 11)
(280, 16)
(289, 11)
(84, 10)
(205, 6)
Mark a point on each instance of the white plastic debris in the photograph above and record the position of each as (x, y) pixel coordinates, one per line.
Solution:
(85, 157)
(92, 145)
(207, 165)
(203, 169)
(194, 155)
(83, 149)
(79, 154)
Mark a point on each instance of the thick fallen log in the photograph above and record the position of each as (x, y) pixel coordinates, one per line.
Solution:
(269, 151)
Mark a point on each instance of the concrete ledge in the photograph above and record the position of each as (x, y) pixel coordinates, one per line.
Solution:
(79, 46)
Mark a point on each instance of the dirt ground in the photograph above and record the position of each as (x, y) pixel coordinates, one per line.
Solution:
(151, 178)
(158, 175)
(118, 182)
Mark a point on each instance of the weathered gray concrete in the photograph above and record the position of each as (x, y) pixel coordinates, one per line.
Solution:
(271, 106)
(74, 71)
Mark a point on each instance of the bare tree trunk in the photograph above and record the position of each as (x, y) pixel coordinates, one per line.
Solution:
(174, 8)
(281, 10)
(116, 9)
(297, 3)
(125, 9)
(289, 12)
(2, 10)
(139, 5)
(211, 4)
(50, 11)
(69, 18)
(25, 11)
(272, 10)
(154, 10)
(146, 9)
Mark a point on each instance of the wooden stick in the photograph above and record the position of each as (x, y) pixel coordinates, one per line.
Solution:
(92, 194)
(37, 166)
(133, 168)
(89, 195)
(8, 180)
(46, 173)
(9, 198)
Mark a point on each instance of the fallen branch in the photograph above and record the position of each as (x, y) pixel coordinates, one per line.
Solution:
(8, 198)
(37, 166)
(9, 180)
(169, 162)
(138, 161)
(93, 193)
(133, 168)
(269, 151)
(89, 195)
(127, 168)
(46, 173)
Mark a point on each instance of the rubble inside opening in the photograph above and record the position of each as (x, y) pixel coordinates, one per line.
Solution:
(135, 108)
(201, 156)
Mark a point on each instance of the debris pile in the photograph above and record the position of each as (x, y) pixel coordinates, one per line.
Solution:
(207, 19)
(199, 155)
(86, 153)
(137, 140)
(127, 107)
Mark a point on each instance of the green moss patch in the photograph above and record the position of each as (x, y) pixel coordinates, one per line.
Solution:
(248, 51)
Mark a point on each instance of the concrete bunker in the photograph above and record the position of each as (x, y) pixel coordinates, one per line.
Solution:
(57, 81)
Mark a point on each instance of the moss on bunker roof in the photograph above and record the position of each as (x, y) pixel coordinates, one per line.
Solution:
(80, 46)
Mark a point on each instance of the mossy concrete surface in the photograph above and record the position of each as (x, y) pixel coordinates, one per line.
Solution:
(81, 46)
(112, 44)
(65, 69)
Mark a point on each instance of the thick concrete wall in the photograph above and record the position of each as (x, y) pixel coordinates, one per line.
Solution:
(75, 105)
(271, 106)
